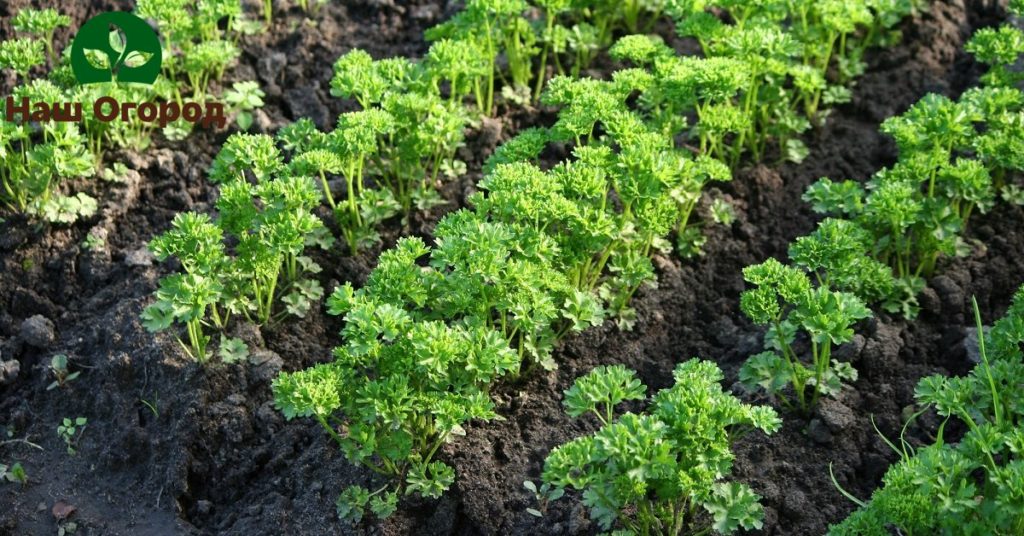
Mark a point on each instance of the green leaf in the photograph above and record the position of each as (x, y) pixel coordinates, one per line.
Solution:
(429, 480)
(796, 151)
(157, 317)
(601, 390)
(766, 370)
(137, 58)
(351, 504)
(116, 39)
(232, 350)
(734, 505)
(384, 505)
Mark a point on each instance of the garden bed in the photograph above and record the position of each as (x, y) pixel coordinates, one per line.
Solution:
(175, 447)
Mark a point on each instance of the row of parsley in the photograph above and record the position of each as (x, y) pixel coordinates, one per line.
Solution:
(956, 156)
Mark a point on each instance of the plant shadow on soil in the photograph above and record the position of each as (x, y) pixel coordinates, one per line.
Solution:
(212, 456)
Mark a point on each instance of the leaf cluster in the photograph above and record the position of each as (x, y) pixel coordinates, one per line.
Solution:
(999, 48)
(70, 431)
(243, 262)
(613, 204)
(199, 39)
(974, 485)
(36, 157)
(798, 313)
(661, 471)
(417, 128)
(787, 62)
(404, 382)
(563, 34)
(42, 24)
(956, 158)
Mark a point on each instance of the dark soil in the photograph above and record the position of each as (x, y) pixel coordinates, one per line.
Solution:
(172, 447)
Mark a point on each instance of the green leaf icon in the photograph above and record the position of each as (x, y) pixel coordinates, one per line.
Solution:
(116, 40)
(116, 45)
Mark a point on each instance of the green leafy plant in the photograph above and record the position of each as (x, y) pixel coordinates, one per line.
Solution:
(612, 205)
(21, 55)
(132, 133)
(61, 374)
(195, 49)
(772, 68)
(14, 473)
(232, 350)
(483, 30)
(955, 156)
(999, 48)
(244, 98)
(543, 495)
(198, 40)
(418, 147)
(41, 23)
(427, 342)
(478, 276)
(354, 501)
(785, 300)
(269, 225)
(92, 242)
(205, 61)
(837, 254)
(491, 42)
(399, 388)
(654, 472)
(970, 486)
(356, 140)
(37, 156)
(70, 431)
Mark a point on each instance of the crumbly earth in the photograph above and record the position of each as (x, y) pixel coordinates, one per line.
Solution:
(175, 448)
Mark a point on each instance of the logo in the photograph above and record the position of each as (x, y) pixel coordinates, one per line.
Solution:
(116, 47)
(126, 48)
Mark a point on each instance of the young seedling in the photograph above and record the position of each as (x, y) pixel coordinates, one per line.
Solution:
(62, 375)
(232, 350)
(354, 501)
(71, 432)
(152, 406)
(14, 473)
(544, 495)
(92, 242)
(244, 98)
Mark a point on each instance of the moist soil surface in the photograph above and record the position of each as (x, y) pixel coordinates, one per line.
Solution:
(172, 447)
